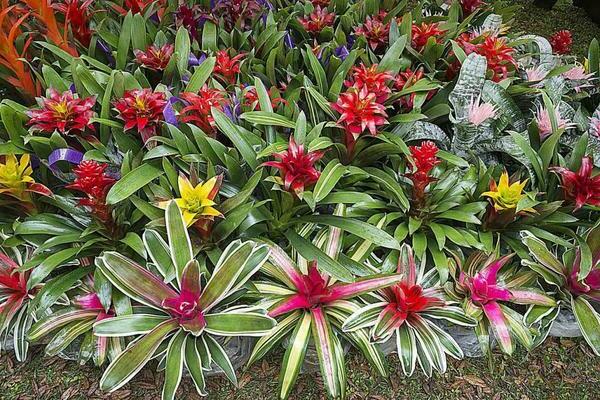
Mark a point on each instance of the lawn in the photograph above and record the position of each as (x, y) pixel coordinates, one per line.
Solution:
(560, 369)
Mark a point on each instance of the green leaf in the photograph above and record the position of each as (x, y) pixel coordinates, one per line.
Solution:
(193, 363)
(50, 263)
(182, 48)
(201, 75)
(128, 325)
(267, 118)
(359, 228)
(390, 61)
(230, 130)
(238, 324)
(220, 357)
(174, 365)
(330, 176)
(132, 182)
(294, 356)
(56, 287)
(311, 252)
(124, 41)
(209, 36)
(180, 245)
(589, 322)
(133, 359)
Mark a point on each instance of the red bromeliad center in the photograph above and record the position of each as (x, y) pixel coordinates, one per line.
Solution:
(580, 187)
(155, 58)
(198, 108)
(226, 66)
(296, 167)
(141, 109)
(375, 30)
(409, 299)
(185, 307)
(63, 112)
(422, 33)
(317, 20)
(372, 80)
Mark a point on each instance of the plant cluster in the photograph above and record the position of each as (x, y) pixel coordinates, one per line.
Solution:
(319, 175)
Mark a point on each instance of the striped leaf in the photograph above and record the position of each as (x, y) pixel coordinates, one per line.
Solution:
(294, 355)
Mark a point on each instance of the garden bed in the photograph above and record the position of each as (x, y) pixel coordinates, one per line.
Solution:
(201, 189)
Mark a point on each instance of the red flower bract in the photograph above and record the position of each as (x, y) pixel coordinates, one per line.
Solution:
(91, 179)
(155, 58)
(372, 80)
(227, 67)
(580, 187)
(62, 112)
(77, 16)
(423, 32)
(297, 167)
(375, 31)
(499, 56)
(198, 108)
(407, 79)
(470, 6)
(141, 109)
(359, 110)
(251, 99)
(236, 12)
(561, 42)
(317, 20)
(424, 158)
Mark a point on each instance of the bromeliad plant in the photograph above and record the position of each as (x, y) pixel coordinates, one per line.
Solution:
(184, 317)
(486, 294)
(309, 303)
(408, 311)
(576, 279)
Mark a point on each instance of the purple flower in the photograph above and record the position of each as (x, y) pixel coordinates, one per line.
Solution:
(341, 52)
(289, 42)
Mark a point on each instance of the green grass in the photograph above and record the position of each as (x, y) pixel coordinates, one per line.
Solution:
(564, 16)
(560, 369)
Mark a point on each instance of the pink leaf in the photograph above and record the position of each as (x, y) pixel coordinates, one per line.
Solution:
(499, 325)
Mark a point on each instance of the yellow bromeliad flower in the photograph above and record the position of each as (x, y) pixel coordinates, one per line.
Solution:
(15, 175)
(196, 202)
(504, 195)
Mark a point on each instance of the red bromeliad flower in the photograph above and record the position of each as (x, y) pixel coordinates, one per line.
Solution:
(155, 58)
(422, 33)
(580, 187)
(141, 109)
(236, 12)
(561, 42)
(198, 108)
(499, 56)
(297, 167)
(375, 31)
(91, 179)
(485, 291)
(407, 79)
(320, 3)
(359, 110)
(424, 158)
(315, 290)
(317, 20)
(77, 16)
(191, 18)
(227, 67)
(185, 305)
(251, 99)
(405, 300)
(373, 81)
(62, 112)
(470, 6)
(15, 295)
